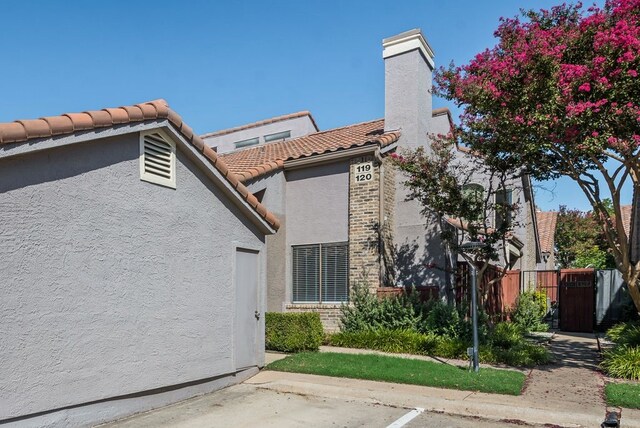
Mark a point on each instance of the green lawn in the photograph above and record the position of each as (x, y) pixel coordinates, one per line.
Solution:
(402, 370)
(623, 395)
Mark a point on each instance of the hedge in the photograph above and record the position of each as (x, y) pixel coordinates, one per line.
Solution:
(293, 332)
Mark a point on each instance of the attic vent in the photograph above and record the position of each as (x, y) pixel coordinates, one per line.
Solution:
(157, 159)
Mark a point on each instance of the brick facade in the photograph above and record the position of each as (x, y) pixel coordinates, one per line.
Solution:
(329, 314)
(364, 221)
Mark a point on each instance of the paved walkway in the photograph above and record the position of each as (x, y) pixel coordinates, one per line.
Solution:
(567, 393)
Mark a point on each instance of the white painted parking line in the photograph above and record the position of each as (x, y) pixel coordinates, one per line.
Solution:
(406, 418)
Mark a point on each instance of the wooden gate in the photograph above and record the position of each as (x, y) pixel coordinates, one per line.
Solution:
(577, 299)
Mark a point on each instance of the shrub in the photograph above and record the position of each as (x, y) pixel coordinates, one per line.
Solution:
(522, 354)
(450, 347)
(625, 334)
(529, 312)
(623, 362)
(293, 332)
(506, 335)
(395, 341)
(367, 313)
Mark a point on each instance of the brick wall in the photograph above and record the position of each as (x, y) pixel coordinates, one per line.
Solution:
(329, 314)
(364, 213)
(389, 204)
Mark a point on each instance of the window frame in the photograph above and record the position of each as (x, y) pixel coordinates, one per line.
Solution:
(321, 267)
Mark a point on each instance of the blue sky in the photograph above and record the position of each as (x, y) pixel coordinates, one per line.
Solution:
(222, 64)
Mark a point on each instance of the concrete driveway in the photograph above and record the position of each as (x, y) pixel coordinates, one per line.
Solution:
(248, 405)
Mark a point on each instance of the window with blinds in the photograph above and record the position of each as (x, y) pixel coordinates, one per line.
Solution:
(321, 273)
(157, 159)
(503, 208)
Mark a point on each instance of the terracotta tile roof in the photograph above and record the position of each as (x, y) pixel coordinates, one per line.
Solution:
(256, 161)
(69, 123)
(261, 123)
(547, 229)
(626, 211)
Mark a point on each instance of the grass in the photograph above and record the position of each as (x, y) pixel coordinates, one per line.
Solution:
(402, 370)
(623, 395)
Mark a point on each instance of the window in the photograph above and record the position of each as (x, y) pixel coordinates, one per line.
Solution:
(157, 159)
(321, 272)
(277, 136)
(246, 143)
(474, 196)
(503, 208)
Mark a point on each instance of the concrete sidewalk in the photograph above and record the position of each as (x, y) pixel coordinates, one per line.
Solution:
(567, 393)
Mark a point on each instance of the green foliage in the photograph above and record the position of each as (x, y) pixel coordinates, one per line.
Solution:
(524, 354)
(580, 241)
(293, 332)
(444, 320)
(367, 312)
(529, 311)
(623, 395)
(506, 335)
(394, 341)
(450, 347)
(622, 362)
(625, 334)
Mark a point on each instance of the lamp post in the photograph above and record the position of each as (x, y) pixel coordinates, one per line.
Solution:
(472, 246)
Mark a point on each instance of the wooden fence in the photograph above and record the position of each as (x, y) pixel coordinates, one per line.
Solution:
(501, 294)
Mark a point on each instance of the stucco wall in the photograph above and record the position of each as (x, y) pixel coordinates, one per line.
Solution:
(111, 285)
(318, 204)
(275, 200)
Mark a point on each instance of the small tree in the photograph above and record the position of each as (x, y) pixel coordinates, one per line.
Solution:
(580, 242)
(559, 96)
(441, 180)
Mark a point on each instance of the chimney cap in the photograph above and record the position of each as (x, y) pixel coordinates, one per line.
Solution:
(408, 41)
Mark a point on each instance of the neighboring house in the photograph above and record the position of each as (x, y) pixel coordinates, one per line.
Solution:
(279, 128)
(345, 217)
(547, 221)
(631, 222)
(133, 267)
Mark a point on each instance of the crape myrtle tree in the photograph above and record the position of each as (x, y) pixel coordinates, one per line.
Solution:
(559, 95)
(446, 182)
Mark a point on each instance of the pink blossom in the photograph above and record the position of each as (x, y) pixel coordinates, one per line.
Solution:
(632, 73)
(595, 134)
(585, 87)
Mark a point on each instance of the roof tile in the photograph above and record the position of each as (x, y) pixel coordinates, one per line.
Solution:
(148, 111)
(59, 124)
(134, 112)
(36, 128)
(80, 121)
(547, 229)
(118, 115)
(259, 160)
(12, 132)
(100, 118)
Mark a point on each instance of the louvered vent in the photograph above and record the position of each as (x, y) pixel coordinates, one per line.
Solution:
(157, 159)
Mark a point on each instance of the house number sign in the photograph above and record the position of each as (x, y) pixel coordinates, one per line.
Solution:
(364, 172)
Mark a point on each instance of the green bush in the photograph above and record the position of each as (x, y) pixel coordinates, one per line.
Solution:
(367, 313)
(622, 362)
(394, 341)
(293, 332)
(625, 334)
(529, 312)
(523, 354)
(450, 347)
(506, 335)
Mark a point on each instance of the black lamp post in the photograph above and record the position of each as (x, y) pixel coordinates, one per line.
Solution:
(473, 246)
